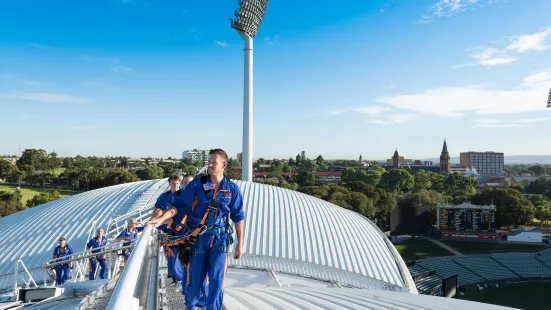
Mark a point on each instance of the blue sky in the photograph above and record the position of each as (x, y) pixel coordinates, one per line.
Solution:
(153, 78)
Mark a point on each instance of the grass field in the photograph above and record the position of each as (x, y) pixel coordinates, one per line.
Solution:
(28, 192)
(529, 296)
(473, 247)
(413, 249)
(59, 171)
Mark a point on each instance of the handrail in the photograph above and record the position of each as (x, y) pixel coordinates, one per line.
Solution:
(113, 247)
(117, 229)
(125, 295)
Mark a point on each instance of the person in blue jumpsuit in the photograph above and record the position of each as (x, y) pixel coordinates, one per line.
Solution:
(164, 201)
(210, 201)
(63, 271)
(129, 234)
(174, 266)
(97, 242)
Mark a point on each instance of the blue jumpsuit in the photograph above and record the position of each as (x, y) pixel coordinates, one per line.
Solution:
(132, 234)
(210, 252)
(59, 252)
(164, 201)
(92, 244)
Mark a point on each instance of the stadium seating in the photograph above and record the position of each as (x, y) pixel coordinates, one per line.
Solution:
(486, 267)
(474, 269)
(445, 267)
(429, 286)
(524, 264)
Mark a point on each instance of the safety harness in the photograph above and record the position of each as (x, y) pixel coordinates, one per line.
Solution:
(100, 256)
(205, 225)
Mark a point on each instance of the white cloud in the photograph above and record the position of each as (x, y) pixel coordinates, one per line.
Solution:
(122, 69)
(378, 114)
(454, 102)
(489, 57)
(372, 110)
(530, 42)
(221, 43)
(338, 111)
(22, 80)
(49, 97)
(494, 123)
(272, 40)
(395, 119)
(448, 8)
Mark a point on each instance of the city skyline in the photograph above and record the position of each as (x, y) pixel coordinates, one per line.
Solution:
(134, 77)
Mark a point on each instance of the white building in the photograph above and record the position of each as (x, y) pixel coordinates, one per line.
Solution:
(196, 154)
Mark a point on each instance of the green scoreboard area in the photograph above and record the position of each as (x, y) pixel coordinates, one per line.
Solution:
(466, 218)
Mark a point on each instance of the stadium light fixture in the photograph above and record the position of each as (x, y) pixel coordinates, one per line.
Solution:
(549, 99)
(247, 21)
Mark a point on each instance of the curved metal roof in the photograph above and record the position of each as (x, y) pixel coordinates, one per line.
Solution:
(32, 234)
(341, 298)
(287, 224)
(313, 237)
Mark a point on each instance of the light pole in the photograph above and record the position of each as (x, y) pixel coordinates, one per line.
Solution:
(247, 20)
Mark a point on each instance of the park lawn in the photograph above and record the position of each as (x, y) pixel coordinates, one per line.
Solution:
(59, 171)
(414, 249)
(529, 296)
(489, 247)
(28, 192)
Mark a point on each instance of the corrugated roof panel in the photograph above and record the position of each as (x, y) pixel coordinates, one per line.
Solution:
(287, 224)
(341, 298)
(32, 234)
(280, 224)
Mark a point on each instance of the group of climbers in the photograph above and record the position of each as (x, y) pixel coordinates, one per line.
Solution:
(96, 245)
(198, 218)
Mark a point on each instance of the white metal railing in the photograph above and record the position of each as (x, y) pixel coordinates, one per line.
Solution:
(80, 261)
(136, 287)
(203, 170)
(114, 226)
(16, 277)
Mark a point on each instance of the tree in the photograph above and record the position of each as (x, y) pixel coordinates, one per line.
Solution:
(43, 198)
(10, 203)
(542, 207)
(538, 170)
(459, 187)
(513, 209)
(5, 168)
(397, 179)
(422, 180)
(150, 173)
(67, 163)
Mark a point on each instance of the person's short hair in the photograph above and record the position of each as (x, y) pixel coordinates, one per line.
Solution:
(188, 176)
(61, 239)
(174, 178)
(220, 152)
(132, 221)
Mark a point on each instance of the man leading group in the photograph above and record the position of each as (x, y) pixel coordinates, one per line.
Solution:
(208, 203)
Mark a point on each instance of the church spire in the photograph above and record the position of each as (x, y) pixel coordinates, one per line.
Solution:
(445, 147)
(445, 164)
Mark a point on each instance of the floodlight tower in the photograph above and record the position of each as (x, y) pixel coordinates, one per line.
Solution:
(247, 20)
(549, 99)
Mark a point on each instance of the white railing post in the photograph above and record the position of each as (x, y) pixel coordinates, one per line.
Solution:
(123, 294)
(28, 273)
(15, 279)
